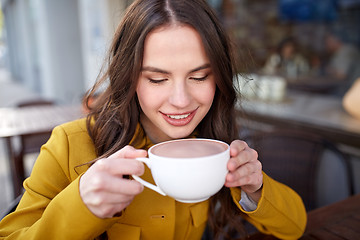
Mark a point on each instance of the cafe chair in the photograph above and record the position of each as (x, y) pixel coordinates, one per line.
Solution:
(26, 144)
(312, 166)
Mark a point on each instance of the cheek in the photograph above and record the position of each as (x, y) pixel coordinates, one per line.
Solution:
(148, 97)
(206, 94)
(143, 96)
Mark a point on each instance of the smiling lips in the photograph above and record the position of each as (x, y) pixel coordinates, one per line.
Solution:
(179, 119)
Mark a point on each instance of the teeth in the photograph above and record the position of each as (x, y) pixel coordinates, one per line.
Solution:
(178, 116)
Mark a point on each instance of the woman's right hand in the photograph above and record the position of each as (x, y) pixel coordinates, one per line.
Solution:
(104, 190)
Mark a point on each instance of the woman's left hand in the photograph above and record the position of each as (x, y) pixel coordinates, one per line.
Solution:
(245, 170)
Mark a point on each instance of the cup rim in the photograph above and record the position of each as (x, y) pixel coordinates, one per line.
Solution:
(190, 139)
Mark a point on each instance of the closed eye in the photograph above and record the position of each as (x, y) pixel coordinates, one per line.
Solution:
(200, 78)
(157, 81)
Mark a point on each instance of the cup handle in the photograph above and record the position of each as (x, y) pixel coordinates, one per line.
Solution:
(145, 183)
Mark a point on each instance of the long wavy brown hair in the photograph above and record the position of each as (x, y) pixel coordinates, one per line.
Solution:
(113, 118)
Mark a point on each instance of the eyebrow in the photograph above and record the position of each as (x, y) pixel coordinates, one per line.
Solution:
(158, 70)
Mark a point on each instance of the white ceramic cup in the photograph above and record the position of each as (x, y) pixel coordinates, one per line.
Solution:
(188, 170)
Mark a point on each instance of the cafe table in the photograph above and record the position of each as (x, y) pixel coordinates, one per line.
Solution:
(316, 113)
(340, 220)
(31, 121)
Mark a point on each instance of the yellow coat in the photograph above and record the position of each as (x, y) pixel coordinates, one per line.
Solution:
(51, 207)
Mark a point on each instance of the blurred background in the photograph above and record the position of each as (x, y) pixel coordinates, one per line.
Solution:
(54, 50)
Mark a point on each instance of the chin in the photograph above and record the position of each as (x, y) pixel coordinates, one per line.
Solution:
(180, 134)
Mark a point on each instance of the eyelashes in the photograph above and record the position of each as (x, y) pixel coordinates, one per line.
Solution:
(201, 78)
(158, 81)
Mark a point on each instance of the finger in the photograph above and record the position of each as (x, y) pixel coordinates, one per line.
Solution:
(244, 170)
(233, 164)
(129, 152)
(107, 198)
(254, 179)
(119, 166)
(117, 185)
(236, 147)
(243, 157)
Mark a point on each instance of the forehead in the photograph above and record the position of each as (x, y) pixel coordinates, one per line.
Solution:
(173, 35)
(174, 42)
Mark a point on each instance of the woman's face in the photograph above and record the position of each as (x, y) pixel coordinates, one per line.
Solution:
(176, 86)
(288, 50)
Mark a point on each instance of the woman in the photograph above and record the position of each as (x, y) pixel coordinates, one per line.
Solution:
(287, 61)
(169, 76)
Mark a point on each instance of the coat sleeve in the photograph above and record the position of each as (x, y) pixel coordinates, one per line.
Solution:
(280, 211)
(51, 207)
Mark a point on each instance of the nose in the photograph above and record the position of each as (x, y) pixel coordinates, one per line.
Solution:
(180, 96)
